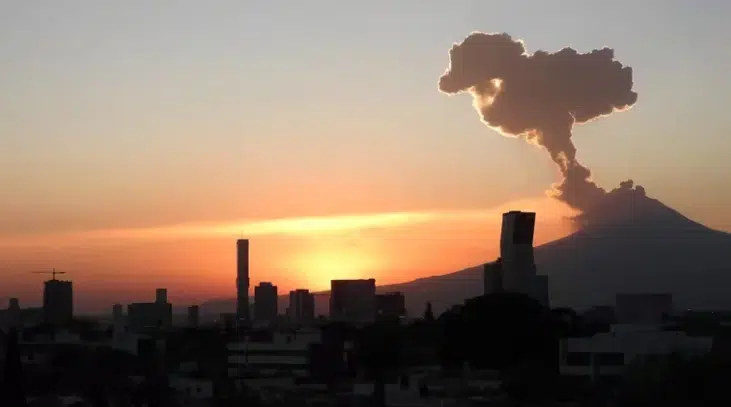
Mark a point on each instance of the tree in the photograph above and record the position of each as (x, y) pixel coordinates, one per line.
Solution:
(499, 331)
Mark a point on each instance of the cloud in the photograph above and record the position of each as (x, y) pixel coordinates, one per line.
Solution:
(540, 97)
(308, 226)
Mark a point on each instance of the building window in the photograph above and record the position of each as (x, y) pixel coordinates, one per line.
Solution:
(578, 358)
(609, 359)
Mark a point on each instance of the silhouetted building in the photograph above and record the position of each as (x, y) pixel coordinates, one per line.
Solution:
(646, 308)
(117, 312)
(58, 302)
(145, 315)
(242, 280)
(193, 316)
(161, 295)
(516, 252)
(492, 277)
(353, 300)
(118, 321)
(227, 320)
(301, 306)
(515, 269)
(541, 291)
(265, 302)
(273, 356)
(13, 313)
(391, 305)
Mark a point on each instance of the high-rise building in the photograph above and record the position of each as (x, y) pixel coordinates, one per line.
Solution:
(492, 277)
(13, 313)
(193, 316)
(265, 302)
(541, 290)
(161, 295)
(516, 252)
(242, 280)
(117, 312)
(353, 300)
(391, 305)
(515, 269)
(301, 306)
(58, 302)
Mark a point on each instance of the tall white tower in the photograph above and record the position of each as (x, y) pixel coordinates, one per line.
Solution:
(516, 252)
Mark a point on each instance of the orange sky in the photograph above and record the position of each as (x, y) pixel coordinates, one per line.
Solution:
(124, 126)
(197, 261)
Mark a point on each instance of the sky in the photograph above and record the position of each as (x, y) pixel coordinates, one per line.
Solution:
(139, 139)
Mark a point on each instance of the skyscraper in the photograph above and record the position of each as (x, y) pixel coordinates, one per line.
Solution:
(353, 301)
(161, 295)
(265, 302)
(301, 306)
(492, 278)
(516, 252)
(242, 280)
(58, 302)
(515, 269)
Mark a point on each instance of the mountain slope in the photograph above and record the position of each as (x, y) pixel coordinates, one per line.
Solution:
(631, 243)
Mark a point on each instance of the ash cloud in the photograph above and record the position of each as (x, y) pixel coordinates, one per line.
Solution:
(539, 97)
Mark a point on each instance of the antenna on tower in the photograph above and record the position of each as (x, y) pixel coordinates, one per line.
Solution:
(53, 273)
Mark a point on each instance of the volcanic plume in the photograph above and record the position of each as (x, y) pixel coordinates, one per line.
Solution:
(539, 97)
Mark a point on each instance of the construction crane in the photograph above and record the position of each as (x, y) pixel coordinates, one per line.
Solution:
(53, 273)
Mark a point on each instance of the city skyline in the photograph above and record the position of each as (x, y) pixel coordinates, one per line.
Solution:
(141, 140)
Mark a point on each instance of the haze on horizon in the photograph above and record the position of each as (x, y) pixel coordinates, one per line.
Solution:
(135, 138)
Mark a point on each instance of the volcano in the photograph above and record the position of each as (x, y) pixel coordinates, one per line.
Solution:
(631, 243)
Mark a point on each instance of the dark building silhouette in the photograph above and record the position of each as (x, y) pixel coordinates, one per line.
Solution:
(391, 305)
(161, 295)
(516, 252)
(301, 306)
(242, 280)
(492, 277)
(265, 302)
(193, 316)
(515, 269)
(353, 300)
(58, 302)
(13, 313)
(144, 315)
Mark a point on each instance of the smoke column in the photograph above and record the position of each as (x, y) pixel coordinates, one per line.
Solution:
(540, 97)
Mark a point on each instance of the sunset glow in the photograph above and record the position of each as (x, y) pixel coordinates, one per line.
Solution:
(138, 141)
(304, 252)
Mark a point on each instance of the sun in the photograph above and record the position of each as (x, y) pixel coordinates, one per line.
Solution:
(317, 266)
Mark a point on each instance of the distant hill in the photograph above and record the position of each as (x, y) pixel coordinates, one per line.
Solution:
(630, 243)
